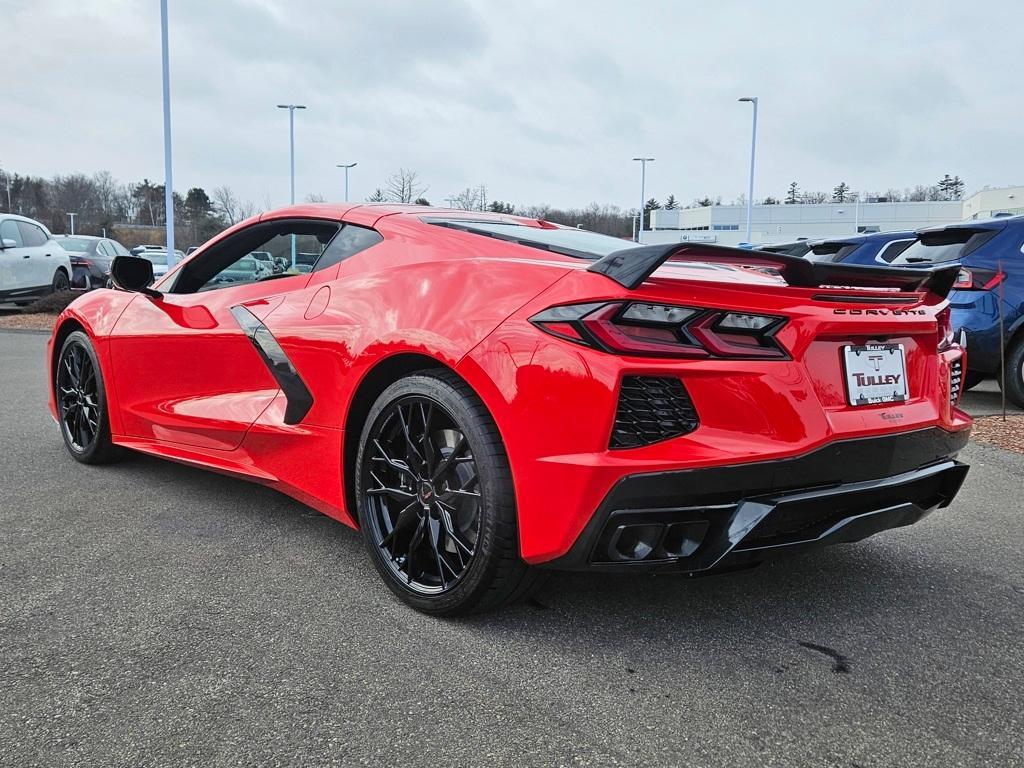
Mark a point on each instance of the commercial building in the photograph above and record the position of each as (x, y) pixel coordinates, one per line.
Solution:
(727, 224)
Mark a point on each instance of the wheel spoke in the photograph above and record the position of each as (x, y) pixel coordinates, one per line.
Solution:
(405, 517)
(413, 452)
(414, 544)
(397, 465)
(429, 451)
(449, 528)
(460, 446)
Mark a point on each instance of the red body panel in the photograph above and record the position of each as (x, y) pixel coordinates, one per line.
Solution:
(185, 382)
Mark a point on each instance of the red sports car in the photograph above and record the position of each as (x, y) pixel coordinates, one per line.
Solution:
(488, 397)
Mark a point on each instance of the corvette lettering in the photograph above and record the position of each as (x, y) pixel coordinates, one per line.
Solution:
(880, 311)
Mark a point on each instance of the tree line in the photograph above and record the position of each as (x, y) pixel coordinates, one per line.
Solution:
(101, 204)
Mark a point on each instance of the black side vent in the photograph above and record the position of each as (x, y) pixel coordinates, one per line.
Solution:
(651, 409)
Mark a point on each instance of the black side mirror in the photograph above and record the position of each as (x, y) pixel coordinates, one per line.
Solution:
(131, 273)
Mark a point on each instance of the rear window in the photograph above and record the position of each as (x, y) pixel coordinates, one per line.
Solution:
(788, 249)
(832, 252)
(945, 245)
(569, 242)
(74, 244)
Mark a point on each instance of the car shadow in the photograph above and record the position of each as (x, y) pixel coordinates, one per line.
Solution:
(846, 584)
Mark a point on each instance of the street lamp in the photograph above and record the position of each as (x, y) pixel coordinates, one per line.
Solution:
(450, 201)
(168, 180)
(72, 215)
(753, 146)
(291, 154)
(643, 194)
(346, 167)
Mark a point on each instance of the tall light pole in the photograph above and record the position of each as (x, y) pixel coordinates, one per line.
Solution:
(753, 147)
(168, 180)
(291, 154)
(643, 194)
(346, 167)
(72, 215)
(7, 178)
(450, 201)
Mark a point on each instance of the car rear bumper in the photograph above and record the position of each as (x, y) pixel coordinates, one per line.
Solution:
(704, 520)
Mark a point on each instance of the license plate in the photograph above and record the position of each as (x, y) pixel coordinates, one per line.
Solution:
(875, 373)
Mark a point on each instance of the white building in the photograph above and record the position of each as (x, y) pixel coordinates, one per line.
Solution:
(727, 224)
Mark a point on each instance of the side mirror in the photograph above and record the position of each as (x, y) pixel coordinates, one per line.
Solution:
(8, 243)
(131, 273)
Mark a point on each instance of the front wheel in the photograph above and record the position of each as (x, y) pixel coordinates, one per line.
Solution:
(435, 498)
(82, 402)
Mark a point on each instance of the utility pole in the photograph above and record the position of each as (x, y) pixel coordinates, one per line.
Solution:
(168, 180)
(346, 167)
(643, 194)
(72, 215)
(753, 147)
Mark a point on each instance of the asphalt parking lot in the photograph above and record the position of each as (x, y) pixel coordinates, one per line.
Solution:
(152, 614)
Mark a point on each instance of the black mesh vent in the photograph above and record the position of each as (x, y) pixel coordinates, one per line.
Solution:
(956, 380)
(652, 408)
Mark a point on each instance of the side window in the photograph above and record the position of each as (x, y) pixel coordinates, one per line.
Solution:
(348, 242)
(260, 252)
(120, 250)
(32, 235)
(107, 249)
(9, 231)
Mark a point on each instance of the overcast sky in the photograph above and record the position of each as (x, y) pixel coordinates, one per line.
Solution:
(545, 102)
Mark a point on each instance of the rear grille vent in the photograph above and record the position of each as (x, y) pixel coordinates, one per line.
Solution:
(956, 379)
(651, 409)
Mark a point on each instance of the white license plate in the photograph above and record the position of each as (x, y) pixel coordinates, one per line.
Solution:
(875, 373)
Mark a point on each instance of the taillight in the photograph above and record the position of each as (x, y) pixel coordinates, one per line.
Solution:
(663, 330)
(974, 279)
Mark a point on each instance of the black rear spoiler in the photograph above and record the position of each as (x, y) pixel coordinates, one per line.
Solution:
(630, 267)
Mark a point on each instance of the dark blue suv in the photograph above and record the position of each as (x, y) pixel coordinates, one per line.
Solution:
(874, 249)
(988, 298)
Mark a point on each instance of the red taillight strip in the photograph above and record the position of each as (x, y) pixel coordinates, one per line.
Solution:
(601, 324)
(726, 344)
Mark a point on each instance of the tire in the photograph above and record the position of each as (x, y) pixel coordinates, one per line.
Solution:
(973, 379)
(1013, 386)
(437, 509)
(60, 282)
(82, 403)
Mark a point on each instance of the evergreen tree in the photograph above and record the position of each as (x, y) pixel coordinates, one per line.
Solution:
(670, 203)
(793, 194)
(840, 193)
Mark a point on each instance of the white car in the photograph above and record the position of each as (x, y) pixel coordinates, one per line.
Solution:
(32, 263)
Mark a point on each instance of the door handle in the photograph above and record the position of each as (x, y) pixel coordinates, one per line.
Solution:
(49, 255)
(27, 256)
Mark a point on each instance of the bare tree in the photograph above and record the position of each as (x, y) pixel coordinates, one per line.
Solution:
(227, 204)
(469, 199)
(403, 186)
(315, 198)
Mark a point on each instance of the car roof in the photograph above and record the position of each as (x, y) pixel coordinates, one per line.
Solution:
(83, 237)
(26, 219)
(871, 237)
(999, 222)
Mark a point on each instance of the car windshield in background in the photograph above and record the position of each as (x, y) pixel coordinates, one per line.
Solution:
(157, 257)
(944, 246)
(74, 244)
(569, 242)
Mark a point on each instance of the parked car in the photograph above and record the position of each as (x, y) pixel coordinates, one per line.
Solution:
(32, 263)
(988, 298)
(489, 397)
(90, 259)
(877, 248)
(157, 256)
(267, 262)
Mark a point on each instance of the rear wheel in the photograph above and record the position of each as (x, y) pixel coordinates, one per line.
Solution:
(82, 403)
(435, 498)
(60, 282)
(1013, 386)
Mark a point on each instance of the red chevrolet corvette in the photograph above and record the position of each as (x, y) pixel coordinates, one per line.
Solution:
(488, 397)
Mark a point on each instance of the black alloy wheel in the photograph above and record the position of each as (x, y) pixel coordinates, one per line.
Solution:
(435, 498)
(422, 491)
(81, 402)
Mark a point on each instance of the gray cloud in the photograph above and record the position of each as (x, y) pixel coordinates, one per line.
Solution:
(544, 102)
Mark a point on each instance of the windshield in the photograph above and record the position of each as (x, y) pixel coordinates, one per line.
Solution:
(944, 246)
(74, 244)
(570, 242)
